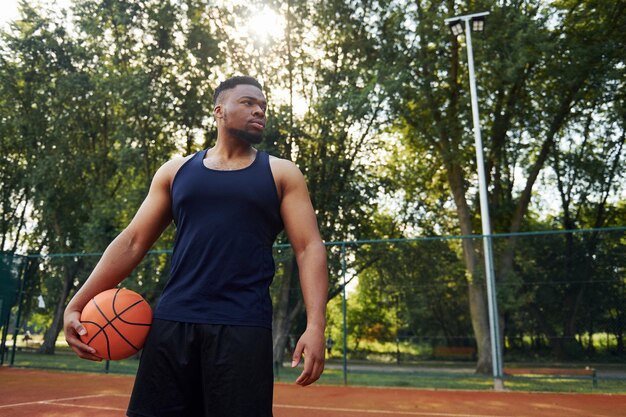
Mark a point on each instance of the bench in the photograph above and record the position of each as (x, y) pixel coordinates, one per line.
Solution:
(454, 352)
(558, 372)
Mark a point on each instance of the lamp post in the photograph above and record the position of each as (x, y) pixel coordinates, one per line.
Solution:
(476, 22)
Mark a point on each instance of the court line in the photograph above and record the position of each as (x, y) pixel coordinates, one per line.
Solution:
(385, 412)
(53, 400)
(57, 401)
(92, 407)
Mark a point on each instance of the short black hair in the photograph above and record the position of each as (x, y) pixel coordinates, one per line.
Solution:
(232, 82)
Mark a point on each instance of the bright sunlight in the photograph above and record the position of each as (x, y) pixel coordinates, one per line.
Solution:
(265, 25)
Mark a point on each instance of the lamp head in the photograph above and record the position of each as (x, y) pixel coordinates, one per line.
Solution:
(478, 24)
(456, 27)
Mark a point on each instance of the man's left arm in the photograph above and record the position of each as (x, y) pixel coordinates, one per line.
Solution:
(303, 232)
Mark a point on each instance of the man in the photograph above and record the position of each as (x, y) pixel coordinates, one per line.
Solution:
(209, 351)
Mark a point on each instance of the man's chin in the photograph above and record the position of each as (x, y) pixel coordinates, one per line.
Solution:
(251, 138)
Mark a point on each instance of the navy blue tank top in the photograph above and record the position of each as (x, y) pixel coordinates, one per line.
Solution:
(222, 264)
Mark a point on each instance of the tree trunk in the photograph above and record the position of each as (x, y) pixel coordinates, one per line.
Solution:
(476, 289)
(49, 342)
(480, 324)
(547, 330)
(285, 312)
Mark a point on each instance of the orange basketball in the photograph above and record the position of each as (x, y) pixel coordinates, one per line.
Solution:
(117, 323)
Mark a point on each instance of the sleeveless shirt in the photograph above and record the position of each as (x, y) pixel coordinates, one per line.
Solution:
(222, 264)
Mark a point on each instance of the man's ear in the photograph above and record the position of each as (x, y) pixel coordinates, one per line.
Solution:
(218, 111)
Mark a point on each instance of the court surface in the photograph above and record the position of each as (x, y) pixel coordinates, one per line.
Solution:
(27, 392)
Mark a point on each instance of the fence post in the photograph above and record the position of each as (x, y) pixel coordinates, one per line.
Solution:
(4, 350)
(20, 295)
(345, 325)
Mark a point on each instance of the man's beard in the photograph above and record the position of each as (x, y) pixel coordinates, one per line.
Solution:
(251, 138)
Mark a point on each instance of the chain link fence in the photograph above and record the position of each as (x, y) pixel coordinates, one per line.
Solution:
(401, 306)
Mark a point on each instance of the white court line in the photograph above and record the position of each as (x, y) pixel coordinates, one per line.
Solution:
(92, 407)
(57, 401)
(384, 412)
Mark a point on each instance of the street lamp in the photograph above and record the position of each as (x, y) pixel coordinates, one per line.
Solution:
(477, 22)
(456, 27)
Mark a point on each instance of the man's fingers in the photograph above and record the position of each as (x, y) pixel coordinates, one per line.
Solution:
(306, 373)
(81, 349)
(318, 369)
(307, 378)
(297, 355)
(311, 347)
(312, 371)
(77, 326)
(80, 329)
(303, 378)
(74, 329)
(86, 354)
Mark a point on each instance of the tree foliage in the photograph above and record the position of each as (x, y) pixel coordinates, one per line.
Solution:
(371, 100)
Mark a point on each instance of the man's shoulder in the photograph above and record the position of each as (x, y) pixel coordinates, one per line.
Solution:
(176, 162)
(286, 172)
(282, 164)
(168, 170)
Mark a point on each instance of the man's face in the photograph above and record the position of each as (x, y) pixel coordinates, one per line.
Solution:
(241, 111)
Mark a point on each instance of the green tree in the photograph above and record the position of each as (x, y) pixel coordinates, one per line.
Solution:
(531, 73)
(319, 61)
(104, 105)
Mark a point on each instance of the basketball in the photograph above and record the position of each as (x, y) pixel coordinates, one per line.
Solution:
(117, 323)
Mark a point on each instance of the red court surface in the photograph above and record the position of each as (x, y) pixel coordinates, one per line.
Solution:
(28, 392)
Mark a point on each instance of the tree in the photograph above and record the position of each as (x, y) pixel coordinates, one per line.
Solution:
(103, 106)
(526, 101)
(330, 142)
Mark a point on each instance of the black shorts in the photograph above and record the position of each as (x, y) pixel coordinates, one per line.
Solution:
(204, 370)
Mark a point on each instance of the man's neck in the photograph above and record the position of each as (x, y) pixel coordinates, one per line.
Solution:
(231, 148)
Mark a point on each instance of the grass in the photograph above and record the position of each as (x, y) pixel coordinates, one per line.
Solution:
(390, 379)
(426, 375)
(68, 361)
(461, 381)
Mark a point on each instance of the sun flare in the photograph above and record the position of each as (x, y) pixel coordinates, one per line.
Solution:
(265, 25)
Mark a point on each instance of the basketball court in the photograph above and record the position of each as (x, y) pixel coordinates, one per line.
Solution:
(27, 392)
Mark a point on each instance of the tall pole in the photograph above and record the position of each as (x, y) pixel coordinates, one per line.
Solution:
(496, 356)
(345, 313)
(494, 333)
(19, 310)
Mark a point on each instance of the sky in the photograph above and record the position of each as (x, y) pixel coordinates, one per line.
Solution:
(9, 12)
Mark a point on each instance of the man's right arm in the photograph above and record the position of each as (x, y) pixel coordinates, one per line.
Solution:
(123, 254)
